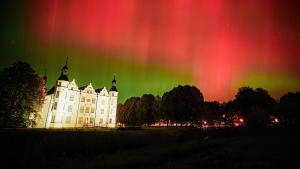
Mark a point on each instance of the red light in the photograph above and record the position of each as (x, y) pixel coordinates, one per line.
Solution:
(241, 120)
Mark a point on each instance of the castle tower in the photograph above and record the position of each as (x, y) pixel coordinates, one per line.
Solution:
(113, 101)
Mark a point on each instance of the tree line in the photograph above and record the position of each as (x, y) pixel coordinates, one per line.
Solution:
(22, 93)
(185, 105)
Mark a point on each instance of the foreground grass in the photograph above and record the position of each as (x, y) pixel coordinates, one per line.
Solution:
(151, 148)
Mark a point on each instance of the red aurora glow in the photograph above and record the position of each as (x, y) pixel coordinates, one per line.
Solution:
(220, 42)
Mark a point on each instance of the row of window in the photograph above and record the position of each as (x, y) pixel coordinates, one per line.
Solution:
(81, 120)
(82, 109)
(91, 120)
(87, 109)
(83, 99)
(86, 120)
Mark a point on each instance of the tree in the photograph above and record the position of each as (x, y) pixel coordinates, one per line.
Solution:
(182, 104)
(289, 108)
(119, 111)
(129, 114)
(22, 93)
(212, 111)
(157, 113)
(145, 109)
(255, 105)
(230, 112)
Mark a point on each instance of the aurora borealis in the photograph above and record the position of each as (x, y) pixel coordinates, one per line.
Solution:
(154, 45)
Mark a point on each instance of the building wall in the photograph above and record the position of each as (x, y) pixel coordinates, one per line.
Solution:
(70, 106)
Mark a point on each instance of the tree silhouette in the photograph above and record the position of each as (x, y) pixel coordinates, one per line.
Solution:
(289, 108)
(182, 104)
(129, 114)
(22, 92)
(211, 111)
(157, 113)
(255, 105)
(145, 109)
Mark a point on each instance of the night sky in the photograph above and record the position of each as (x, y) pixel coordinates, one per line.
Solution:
(152, 46)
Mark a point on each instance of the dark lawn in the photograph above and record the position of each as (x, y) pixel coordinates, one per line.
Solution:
(150, 148)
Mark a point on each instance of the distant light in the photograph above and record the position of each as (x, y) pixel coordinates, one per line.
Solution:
(276, 120)
(204, 122)
(241, 120)
(223, 115)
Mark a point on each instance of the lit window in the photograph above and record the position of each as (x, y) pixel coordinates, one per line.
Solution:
(57, 94)
(91, 120)
(70, 108)
(81, 109)
(102, 111)
(87, 110)
(68, 119)
(93, 101)
(54, 106)
(72, 98)
(93, 110)
(80, 120)
(86, 120)
(82, 99)
(52, 118)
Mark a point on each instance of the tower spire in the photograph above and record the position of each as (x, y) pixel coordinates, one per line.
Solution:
(114, 84)
(64, 71)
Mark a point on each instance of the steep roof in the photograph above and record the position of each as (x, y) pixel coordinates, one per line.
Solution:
(51, 91)
(83, 87)
(99, 90)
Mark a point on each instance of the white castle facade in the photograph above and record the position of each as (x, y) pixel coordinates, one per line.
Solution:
(67, 106)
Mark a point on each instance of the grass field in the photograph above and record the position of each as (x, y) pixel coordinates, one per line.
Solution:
(164, 148)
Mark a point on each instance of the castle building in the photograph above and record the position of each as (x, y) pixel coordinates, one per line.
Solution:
(67, 105)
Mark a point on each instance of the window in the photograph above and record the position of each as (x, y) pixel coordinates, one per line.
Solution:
(68, 119)
(57, 94)
(59, 84)
(86, 120)
(93, 101)
(103, 102)
(80, 120)
(102, 111)
(87, 110)
(54, 106)
(88, 100)
(81, 109)
(72, 98)
(92, 120)
(101, 121)
(110, 120)
(92, 110)
(83, 99)
(70, 108)
(52, 118)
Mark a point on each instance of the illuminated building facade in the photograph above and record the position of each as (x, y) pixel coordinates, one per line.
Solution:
(67, 105)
